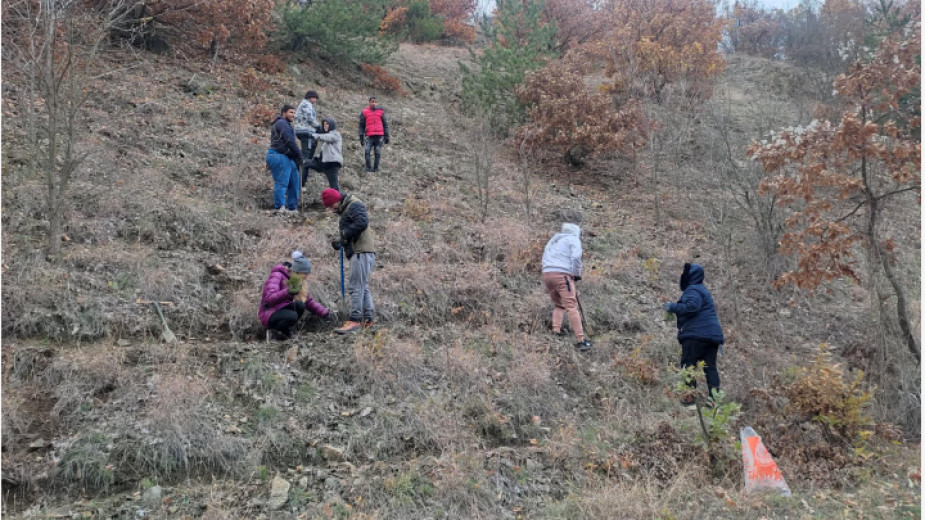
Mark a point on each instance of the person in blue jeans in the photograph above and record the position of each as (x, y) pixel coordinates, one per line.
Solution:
(283, 160)
(699, 331)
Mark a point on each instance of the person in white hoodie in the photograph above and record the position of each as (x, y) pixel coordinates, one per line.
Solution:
(561, 269)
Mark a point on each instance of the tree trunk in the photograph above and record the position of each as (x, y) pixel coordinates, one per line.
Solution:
(902, 312)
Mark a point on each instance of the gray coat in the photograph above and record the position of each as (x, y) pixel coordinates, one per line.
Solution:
(331, 144)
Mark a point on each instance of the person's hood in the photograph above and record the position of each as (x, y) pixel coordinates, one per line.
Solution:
(571, 229)
(693, 274)
(344, 202)
(281, 269)
(332, 125)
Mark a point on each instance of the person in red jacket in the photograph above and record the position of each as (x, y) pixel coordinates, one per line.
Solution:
(374, 131)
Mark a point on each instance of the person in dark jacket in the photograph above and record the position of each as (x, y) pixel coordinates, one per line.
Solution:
(282, 306)
(283, 160)
(331, 158)
(699, 331)
(374, 131)
(358, 241)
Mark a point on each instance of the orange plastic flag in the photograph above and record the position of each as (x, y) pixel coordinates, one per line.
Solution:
(761, 472)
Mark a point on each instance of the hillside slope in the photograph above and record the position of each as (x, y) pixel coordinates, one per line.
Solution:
(460, 403)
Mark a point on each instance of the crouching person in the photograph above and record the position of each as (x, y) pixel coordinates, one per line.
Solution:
(282, 303)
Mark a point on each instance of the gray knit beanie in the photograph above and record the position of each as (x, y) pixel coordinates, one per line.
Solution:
(300, 264)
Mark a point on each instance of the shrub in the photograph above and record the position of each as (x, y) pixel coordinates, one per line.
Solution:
(341, 29)
(423, 20)
(825, 393)
(382, 80)
(569, 120)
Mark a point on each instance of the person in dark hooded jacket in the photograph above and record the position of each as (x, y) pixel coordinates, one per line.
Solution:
(331, 157)
(283, 159)
(699, 331)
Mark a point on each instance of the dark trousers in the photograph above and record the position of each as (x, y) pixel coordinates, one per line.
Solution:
(374, 143)
(696, 350)
(329, 169)
(308, 144)
(283, 319)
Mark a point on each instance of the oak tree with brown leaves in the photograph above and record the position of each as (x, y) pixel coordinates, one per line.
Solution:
(840, 177)
(572, 120)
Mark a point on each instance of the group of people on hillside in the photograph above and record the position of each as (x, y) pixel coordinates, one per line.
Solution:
(699, 331)
(283, 303)
(289, 163)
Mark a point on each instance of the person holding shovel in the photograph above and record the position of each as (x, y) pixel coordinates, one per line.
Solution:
(357, 240)
(699, 331)
(561, 269)
(286, 298)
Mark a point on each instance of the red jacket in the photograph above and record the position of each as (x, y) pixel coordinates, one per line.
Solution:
(373, 123)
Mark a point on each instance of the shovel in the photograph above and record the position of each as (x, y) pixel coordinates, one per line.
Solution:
(168, 336)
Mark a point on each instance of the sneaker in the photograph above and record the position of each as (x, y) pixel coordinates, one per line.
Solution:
(583, 345)
(558, 333)
(349, 326)
(368, 322)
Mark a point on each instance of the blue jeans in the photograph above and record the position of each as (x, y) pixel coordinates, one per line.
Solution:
(285, 180)
(373, 143)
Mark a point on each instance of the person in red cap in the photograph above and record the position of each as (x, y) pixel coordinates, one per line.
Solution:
(358, 241)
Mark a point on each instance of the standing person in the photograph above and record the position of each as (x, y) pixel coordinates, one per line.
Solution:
(699, 331)
(283, 158)
(282, 306)
(374, 130)
(358, 241)
(332, 157)
(306, 122)
(561, 269)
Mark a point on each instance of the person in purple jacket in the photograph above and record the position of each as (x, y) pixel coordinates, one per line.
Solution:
(281, 307)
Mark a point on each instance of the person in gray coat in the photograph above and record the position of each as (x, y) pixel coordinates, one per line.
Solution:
(331, 158)
(561, 269)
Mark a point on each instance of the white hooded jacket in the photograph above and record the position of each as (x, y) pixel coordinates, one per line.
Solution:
(563, 251)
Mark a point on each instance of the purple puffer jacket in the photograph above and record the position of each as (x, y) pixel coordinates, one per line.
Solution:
(276, 296)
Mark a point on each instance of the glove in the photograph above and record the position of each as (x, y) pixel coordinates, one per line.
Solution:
(576, 278)
(331, 316)
(362, 141)
(667, 306)
(386, 140)
(335, 244)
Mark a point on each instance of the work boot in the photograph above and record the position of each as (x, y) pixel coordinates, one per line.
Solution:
(349, 326)
(583, 345)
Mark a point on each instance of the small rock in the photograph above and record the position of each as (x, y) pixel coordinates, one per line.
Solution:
(279, 493)
(123, 343)
(303, 482)
(38, 444)
(173, 510)
(331, 483)
(332, 454)
(366, 411)
(60, 512)
(152, 496)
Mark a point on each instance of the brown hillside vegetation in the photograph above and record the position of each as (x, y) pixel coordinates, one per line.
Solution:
(460, 403)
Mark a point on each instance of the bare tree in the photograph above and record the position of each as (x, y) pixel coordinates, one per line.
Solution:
(52, 48)
(482, 146)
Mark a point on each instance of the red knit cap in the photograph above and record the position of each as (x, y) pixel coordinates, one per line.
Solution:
(330, 197)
